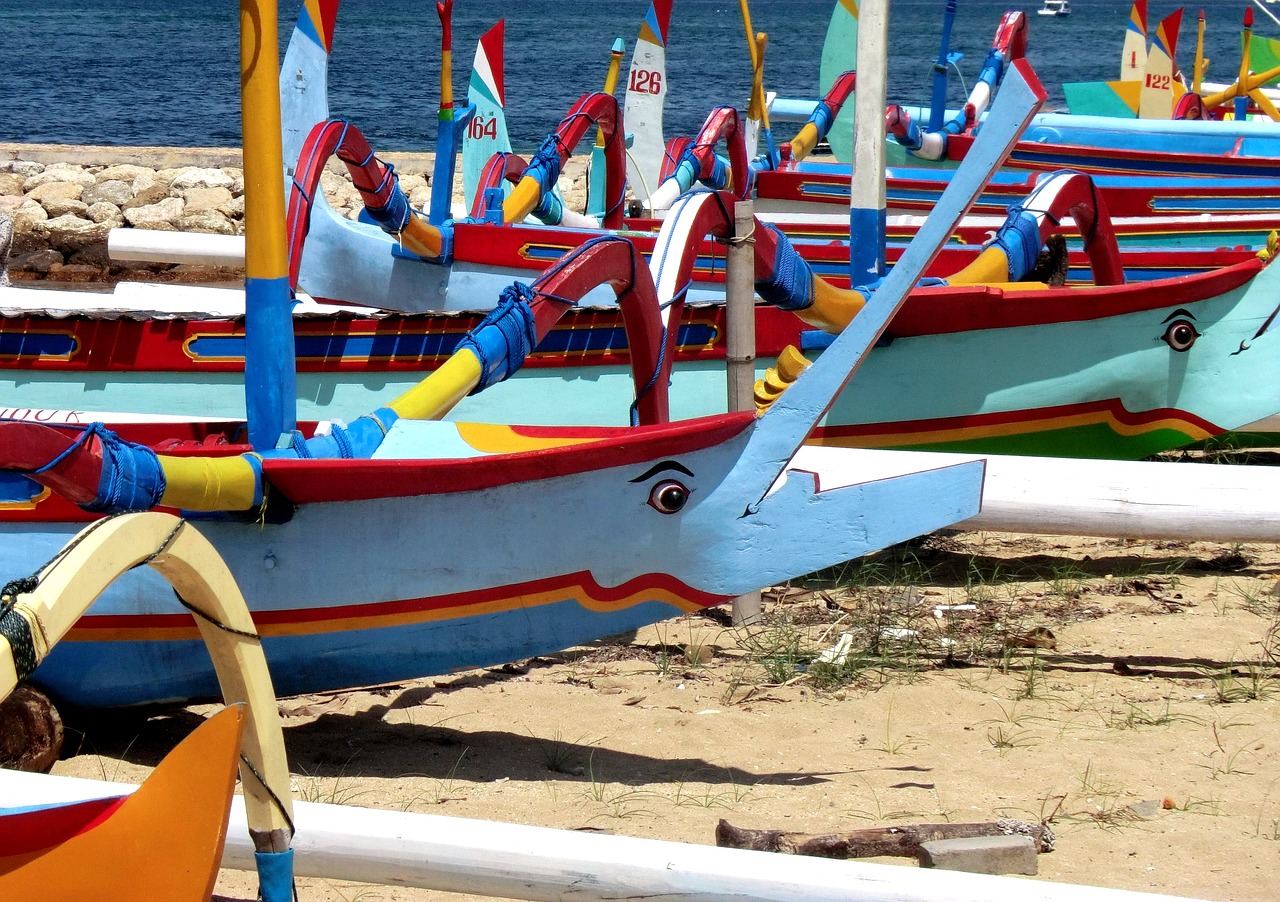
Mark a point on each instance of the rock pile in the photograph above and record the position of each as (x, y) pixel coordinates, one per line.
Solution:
(62, 212)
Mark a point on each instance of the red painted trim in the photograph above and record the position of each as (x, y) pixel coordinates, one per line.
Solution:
(29, 832)
(938, 311)
(580, 584)
(492, 42)
(799, 185)
(306, 481)
(133, 346)
(941, 311)
(1098, 159)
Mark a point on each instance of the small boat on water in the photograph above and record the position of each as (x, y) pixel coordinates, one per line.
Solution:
(1055, 8)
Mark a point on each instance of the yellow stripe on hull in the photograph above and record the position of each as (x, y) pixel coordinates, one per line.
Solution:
(398, 619)
(1024, 427)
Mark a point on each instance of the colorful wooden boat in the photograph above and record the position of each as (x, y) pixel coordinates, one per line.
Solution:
(1146, 167)
(1104, 144)
(815, 185)
(345, 362)
(1151, 85)
(104, 849)
(694, 496)
(444, 574)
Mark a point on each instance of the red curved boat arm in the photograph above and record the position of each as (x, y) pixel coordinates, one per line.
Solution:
(376, 183)
(69, 463)
(671, 156)
(596, 110)
(502, 167)
(1077, 196)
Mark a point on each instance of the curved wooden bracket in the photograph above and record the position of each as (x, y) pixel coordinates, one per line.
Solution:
(177, 551)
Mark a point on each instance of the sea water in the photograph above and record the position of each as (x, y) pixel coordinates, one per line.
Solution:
(165, 72)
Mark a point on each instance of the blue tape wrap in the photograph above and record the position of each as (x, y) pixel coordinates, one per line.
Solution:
(686, 172)
(789, 285)
(357, 441)
(393, 216)
(131, 480)
(719, 176)
(1019, 238)
(275, 875)
(822, 118)
(545, 165)
(504, 338)
(913, 140)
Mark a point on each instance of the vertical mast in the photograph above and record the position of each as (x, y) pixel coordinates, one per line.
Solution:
(270, 379)
(941, 64)
(867, 216)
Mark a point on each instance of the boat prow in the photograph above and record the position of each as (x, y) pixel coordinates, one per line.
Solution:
(109, 848)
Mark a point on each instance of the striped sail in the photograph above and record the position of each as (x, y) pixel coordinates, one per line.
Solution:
(646, 96)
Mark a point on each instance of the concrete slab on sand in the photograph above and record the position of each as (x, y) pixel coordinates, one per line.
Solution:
(982, 855)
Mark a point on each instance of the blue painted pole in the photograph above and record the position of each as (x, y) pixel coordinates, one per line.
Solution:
(270, 377)
(941, 63)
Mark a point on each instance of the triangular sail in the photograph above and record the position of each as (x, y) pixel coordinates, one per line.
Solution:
(486, 133)
(1160, 88)
(1264, 55)
(1133, 59)
(839, 55)
(646, 96)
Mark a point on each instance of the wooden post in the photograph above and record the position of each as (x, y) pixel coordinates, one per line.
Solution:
(740, 320)
(740, 347)
(867, 202)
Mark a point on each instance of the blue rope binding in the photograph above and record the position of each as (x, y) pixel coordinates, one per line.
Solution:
(504, 338)
(1019, 238)
(790, 286)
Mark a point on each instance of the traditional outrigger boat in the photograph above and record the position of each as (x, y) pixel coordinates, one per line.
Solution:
(1152, 86)
(1142, 207)
(190, 365)
(1189, 146)
(710, 507)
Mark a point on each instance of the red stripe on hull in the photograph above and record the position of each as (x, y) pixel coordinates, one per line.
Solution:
(580, 586)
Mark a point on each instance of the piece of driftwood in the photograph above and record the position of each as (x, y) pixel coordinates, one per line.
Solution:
(900, 840)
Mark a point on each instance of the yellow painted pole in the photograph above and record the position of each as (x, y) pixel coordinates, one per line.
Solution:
(270, 369)
(611, 79)
(1201, 64)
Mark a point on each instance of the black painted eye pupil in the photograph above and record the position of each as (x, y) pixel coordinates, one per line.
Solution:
(668, 497)
(1180, 335)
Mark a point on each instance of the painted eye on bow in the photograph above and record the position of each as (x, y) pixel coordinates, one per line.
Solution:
(1180, 335)
(668, 497)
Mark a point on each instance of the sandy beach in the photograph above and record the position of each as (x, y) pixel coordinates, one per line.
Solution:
(1123, 693)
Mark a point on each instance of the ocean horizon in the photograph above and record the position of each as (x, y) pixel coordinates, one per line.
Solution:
(165, 72)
